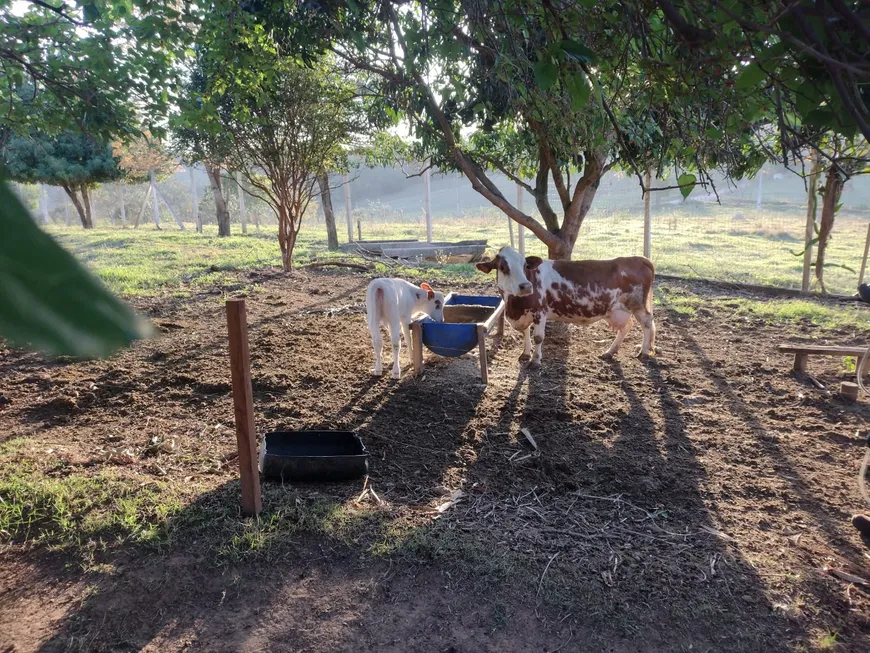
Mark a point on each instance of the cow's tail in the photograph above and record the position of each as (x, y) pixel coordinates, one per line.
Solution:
(652, 276)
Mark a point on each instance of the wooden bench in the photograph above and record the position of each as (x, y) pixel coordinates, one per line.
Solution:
(802, 352)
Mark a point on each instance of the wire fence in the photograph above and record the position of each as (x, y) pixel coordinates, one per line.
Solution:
(754, 233)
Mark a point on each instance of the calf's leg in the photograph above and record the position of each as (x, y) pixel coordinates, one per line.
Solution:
(645, 318)
(378, 345)
(396, 342)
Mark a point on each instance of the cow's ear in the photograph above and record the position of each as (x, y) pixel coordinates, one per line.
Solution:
(430, 294)
(533, 262)
(487, 266)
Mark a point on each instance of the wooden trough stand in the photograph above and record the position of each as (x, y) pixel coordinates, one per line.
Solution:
(802, 352)
(468, 319)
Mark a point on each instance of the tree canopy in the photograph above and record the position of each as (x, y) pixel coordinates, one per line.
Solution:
(71, 160)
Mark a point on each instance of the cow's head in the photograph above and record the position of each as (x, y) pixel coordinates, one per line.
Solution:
(434, 302)
(511, 270)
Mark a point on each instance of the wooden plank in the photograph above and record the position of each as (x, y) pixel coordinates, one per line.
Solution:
(194, 200)
(497, 314)
(822, 350)
(481, 347)
(243, 404)
(171, 210)
(417, 353)
(800, 363)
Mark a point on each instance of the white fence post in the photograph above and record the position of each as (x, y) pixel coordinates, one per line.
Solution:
(521, 231)
(66, 210)
(347, 209)
(194, 199)
(242, 211)
(123, 205)
(43, 199)
(647, 218)
(760, 187)
(427, 195)
(154, 198)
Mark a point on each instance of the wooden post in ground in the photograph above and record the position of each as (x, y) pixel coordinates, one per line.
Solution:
(647, 218)
(171, 210)
(427, 196)
(154, 204)
(521, 231)
(417, 353)
(194, 200)
(481, 348)
(864, 258)
(346, 184)
(811, 221)
(243, 403)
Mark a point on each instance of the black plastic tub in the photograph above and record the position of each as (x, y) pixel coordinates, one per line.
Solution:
(314, 456)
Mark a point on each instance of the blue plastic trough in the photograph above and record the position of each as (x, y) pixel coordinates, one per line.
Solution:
(467, 321)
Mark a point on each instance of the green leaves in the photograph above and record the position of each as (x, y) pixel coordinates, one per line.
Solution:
(687, 183)
(578, 51)
(48, 300)
(579, 90)
(546, 74)
(752, 75)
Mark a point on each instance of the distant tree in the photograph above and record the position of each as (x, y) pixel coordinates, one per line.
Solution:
(73, 161)
(139, 156)
(195, 142)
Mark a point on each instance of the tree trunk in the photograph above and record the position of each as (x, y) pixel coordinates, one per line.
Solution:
(286, 237)
(830, 199)
(88, 220)
(221, 212)
(328, 213)
(71, 193)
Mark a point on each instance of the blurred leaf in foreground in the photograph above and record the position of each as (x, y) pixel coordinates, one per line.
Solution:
(48, 300)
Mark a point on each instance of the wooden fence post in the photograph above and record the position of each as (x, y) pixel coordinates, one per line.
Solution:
(243, 404)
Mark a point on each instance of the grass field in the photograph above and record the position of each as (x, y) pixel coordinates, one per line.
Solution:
(697, 242)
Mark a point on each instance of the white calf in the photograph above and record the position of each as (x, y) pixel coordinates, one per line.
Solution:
(393, 303)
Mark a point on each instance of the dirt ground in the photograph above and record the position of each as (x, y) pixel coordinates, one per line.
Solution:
(697, 502)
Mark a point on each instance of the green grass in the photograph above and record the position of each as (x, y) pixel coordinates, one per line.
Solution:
(687, 302)
(697, 241)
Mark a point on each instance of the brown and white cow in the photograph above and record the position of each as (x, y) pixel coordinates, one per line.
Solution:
(579, 292)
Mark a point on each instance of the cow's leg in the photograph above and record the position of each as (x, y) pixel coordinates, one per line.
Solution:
(527, 345)
(617, 341)
(649, 332)
(538, 330)
(378, 345)
(396, 341)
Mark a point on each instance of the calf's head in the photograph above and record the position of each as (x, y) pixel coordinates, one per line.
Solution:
(430, 302)
(511, 271)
